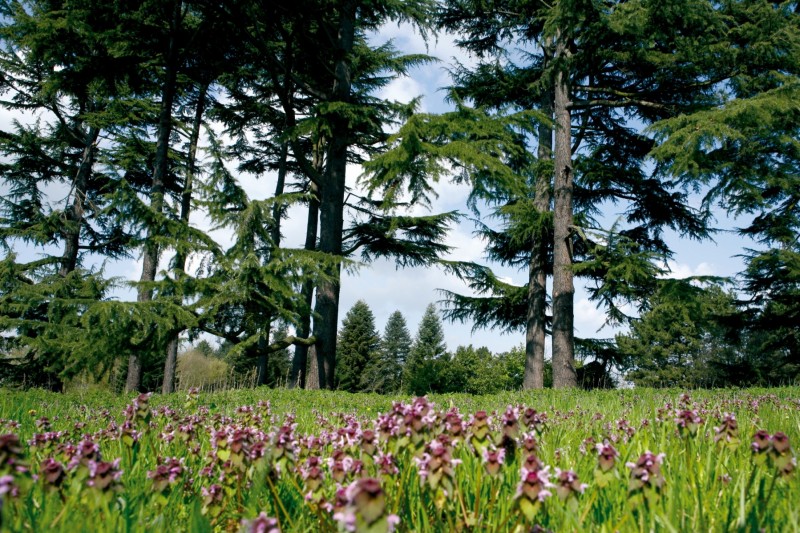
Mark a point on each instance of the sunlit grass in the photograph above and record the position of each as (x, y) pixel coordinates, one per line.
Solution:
(228, 457)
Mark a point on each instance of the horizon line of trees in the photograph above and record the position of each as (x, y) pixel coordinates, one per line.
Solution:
(144, 115)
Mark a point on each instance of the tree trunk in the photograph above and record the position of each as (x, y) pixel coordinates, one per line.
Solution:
(171, 363)
(151, 252)
(275, 234)
(332, 203)
(537, 273)
(300, 360)
(313, 369)
(563, 288)
(74, 214)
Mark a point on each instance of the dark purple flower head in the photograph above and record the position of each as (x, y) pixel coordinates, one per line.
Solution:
(780, 443)
(166, 474)
(10, 450)
(386, 464)
(105, 476)
(529, 443)
(607, 456)
(781, 454)
(646, 473)
(362, 507)
(535, 484)
(52, 472)
(128, 433)
(367, 441)
(728, 430)
(688, 421)
(568, 485)
(532, 463)
(534, 420)
(493, 460)
(453, 423)
(261, 524)
(510, 421)
(85, 452)
(762, 442)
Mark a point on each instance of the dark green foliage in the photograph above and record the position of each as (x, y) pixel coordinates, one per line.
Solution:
(357, 348)
(477, 371)
(428, 357)
(64, 325)
(681, 340)
(384, 373)
(667, 98)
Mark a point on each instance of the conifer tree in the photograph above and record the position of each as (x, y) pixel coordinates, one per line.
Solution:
(427, 356)
(587, 66)
(316, 75)
(682, 339)
(357, 347)
(744, 151)
(384, 373)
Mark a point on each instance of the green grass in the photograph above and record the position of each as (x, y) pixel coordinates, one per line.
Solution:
(708, 486)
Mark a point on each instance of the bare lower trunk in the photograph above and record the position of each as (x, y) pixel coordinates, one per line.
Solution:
(278, 209)
(301, 352)
(171, 363)
(151, 253)
(312, 382)
(170, 366)
(537, 274)
(563, 289)
(262, 364)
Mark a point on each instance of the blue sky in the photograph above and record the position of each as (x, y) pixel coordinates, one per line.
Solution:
(386, 288)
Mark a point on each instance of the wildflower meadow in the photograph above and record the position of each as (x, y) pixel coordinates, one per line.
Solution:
(277, 460)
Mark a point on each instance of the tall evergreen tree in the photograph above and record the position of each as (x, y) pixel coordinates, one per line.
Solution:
(427, 356)
(588, 66)
(357, 347)
(384, 374)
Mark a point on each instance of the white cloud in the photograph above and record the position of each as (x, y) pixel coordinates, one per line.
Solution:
(403, 90)
(589, 320)
(686, 270)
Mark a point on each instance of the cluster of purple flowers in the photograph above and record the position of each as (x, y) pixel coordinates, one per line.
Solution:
(351, 467)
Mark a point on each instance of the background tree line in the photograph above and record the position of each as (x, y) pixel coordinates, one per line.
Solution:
(143, 115)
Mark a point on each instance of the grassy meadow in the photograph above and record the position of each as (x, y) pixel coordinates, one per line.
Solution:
(278, 460)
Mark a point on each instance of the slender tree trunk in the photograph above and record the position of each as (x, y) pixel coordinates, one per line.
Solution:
(301, 352)
(171, 363)
(151, 252)
(275, 234)
(74, 213)
(537, 277)
(332, 204)
(563, 289)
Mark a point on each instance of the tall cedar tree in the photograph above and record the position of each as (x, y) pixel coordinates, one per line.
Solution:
(60, 64)
(611, 67)
(324, 71)
(744, 150)
(682, 339)
(168, 23)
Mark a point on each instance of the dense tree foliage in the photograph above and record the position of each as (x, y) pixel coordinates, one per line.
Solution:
(357, 347)
(384, 373)
(136, 124)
